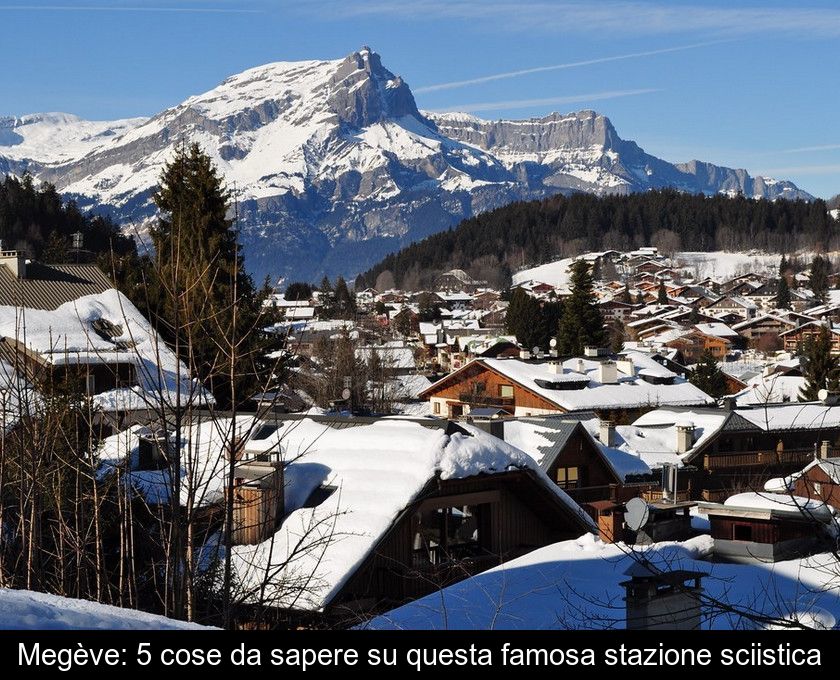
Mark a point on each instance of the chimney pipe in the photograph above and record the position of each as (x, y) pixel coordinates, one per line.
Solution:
(606, 432)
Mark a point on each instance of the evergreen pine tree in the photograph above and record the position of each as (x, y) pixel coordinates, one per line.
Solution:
(55, 251)
(205, 291)
(708, 377)
(820, 367)
(662, 294)
(820, 269)
(624, 296)
(640, 298)
(326, 299)
(345, 303)
(581, 324)
(783, 294)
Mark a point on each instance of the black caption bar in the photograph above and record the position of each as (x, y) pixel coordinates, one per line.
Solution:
(91, 653)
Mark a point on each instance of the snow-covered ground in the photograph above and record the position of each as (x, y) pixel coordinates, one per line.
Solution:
(27, 610)
(719, 264)
(575, 584)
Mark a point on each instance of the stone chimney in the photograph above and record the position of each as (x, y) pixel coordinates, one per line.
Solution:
(15, 261)
(825, 449)
(555, 367)
(626, 366)
(661, 600)
(524, 354)
(685, 437)
(607, 373)
(606, 432)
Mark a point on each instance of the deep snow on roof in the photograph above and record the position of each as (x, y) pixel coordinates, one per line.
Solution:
(630, 391)
(376, 469)
(28, 610)
(66, 334)
(574, 584)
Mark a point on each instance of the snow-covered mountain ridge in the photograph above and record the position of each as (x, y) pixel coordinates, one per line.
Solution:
(334, 166)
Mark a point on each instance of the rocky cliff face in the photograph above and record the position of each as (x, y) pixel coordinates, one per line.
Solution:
(334, 166)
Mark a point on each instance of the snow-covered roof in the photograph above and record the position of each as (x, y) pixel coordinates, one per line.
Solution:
(66, 334)
(28, 610)
(562, 585)
(770, 389)
(780, 503)
(653, 436)
(720, 330)
(630, 390)
(377, 470)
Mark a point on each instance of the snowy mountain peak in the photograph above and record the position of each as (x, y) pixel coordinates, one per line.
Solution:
(335, 166)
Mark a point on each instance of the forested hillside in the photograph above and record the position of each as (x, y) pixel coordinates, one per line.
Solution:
(36, 220)
(492, 245)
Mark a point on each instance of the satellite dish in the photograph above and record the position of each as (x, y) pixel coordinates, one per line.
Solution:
(822, 395)
(553, 343)
(345, 394)
(636, 513)
(535, 350)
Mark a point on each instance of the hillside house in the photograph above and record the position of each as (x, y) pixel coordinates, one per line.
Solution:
(634, 383)
(794, 338)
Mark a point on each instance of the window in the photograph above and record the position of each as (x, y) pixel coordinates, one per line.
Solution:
(506, 391)
(567, 477)
(741, 532)
(436, 407)
(451, 533)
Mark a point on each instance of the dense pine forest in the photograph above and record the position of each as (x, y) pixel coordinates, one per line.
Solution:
(492, 245)
(36, 220)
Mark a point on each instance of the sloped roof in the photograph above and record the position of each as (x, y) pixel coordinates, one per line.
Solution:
(50, 286)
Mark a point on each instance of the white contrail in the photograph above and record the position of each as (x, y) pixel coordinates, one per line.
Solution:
(557, 67)
(103, 8)
(550, 101)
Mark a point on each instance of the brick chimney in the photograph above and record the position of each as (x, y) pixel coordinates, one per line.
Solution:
(685, 437)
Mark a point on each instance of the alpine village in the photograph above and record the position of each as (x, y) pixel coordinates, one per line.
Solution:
(621, 407)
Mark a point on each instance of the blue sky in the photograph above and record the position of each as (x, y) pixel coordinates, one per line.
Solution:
(747, 84)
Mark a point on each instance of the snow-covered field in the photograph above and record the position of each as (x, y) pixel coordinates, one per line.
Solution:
(27, 610)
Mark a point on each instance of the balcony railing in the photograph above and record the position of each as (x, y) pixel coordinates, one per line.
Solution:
(752, 459)
(485, 400)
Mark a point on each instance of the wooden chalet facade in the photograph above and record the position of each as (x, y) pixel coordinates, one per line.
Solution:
(478, 386)
(795, 337)
(456, 529)
(693, 344)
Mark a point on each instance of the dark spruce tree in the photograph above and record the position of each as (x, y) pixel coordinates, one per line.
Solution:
(581, 324)
(297, 291)
(820, 269)
(819, 366)
(708, 377)
(662, 294)
(203, 291)
(783, 294)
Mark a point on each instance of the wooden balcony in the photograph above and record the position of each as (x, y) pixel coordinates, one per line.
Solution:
(732, 462)
(482, 400)
(655, 496)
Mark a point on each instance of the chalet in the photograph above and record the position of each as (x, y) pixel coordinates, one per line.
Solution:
(394, 509)
(694, 343)
(818, 481)
(732, 449)
(587, 468)
(457, 280)
(795, 337)
(67, 322)
(613, 310)
(767, 527)
(733, 304)
(767, 326)
(522, 387)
